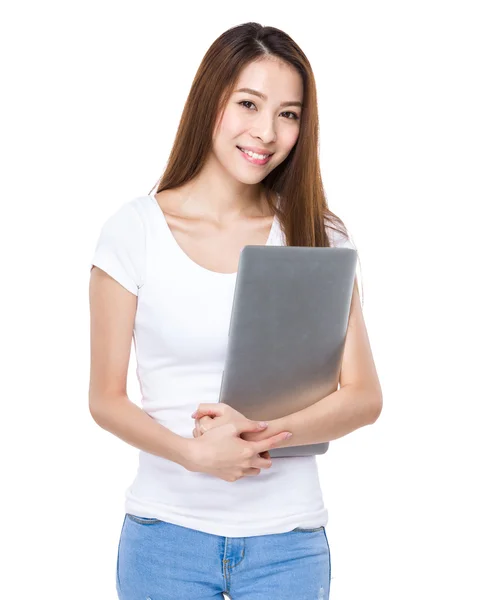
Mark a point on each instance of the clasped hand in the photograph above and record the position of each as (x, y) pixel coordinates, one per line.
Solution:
(208, 416)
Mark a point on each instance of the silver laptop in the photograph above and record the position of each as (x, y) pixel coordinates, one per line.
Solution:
(287, 332)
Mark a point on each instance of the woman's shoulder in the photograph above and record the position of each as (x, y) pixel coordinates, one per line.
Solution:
(339, 235)
(121, 245)
(130, 210)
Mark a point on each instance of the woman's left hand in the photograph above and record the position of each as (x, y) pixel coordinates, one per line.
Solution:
(208, 416)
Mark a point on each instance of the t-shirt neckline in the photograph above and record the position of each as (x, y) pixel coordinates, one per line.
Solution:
(187, 257)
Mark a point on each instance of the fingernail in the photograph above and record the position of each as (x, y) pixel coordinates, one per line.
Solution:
(263, 424)
(288, 436)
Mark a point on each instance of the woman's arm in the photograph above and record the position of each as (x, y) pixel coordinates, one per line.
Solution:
(112, 317)
(357, 403)
(121, 417)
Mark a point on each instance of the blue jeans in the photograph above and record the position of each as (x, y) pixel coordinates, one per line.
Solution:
(158, 560)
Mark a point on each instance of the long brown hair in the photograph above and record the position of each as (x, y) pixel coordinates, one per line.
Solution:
(303, 212)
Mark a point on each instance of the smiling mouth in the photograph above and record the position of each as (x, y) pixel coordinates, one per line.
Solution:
(246, 151)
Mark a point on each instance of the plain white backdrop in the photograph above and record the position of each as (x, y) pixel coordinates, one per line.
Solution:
(92, 95)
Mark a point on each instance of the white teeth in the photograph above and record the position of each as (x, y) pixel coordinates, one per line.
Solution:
(254, 154)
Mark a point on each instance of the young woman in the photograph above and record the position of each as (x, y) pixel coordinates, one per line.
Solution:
(209, 512)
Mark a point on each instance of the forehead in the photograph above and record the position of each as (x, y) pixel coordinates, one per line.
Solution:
(277, 79)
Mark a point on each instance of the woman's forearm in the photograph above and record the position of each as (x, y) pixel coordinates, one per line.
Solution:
(126, 420)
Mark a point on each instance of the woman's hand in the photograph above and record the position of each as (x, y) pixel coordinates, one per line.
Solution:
(209, 416)
(221, 452)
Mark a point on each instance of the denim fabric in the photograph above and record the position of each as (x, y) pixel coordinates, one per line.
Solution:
(158, 560)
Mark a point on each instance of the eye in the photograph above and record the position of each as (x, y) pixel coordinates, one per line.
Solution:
(294, 118)
(246, 102)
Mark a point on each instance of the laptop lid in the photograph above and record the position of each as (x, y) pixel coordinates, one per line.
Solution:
(287, 332)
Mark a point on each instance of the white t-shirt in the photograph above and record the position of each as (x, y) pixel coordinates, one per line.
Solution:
(180, 338)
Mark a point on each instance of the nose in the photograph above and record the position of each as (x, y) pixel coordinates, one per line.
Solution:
(265, 129)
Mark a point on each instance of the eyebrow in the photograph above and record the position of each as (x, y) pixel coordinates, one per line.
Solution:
(264, 97)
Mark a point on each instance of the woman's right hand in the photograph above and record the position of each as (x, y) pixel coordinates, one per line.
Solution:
(223, 453)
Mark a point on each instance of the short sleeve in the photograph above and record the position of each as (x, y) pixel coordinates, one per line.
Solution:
(120, 248)
(339, 240)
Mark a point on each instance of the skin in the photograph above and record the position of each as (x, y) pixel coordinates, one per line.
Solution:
(224, 208)
(212, 219)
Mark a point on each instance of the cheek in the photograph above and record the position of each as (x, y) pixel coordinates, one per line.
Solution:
(232, 124)
(290, 138)
(286, 141)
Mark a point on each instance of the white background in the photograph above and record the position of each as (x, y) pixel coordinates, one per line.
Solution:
(92, 95)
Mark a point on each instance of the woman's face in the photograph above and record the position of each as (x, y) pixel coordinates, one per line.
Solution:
(270, 123)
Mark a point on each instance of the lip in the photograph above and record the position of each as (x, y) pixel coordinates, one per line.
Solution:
(254, 161)
(256, 149)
